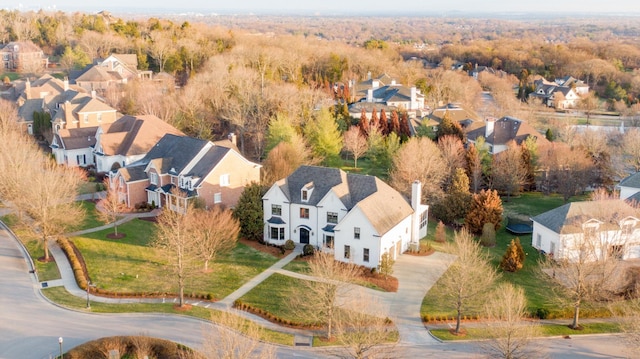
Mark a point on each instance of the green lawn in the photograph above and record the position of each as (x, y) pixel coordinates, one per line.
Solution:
(62, 297)
(272, 295)
(91, 219)
(546, 330)
(365, 167)
(539, 292)
(131, 265)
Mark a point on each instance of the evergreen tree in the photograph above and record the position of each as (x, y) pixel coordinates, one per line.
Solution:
(486, 207)
(324, 137)
(488, 238)
(280, 130)
(456, 202)
(450, 127)
(549, 135)
(511, 260)
(405, 132)
(441, 235)
(249, 212)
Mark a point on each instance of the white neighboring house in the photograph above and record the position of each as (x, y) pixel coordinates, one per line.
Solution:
(559, 231)
(73, 147)
(358, 217)
(630, 187)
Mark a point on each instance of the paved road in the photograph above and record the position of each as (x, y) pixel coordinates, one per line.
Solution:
(30, 325)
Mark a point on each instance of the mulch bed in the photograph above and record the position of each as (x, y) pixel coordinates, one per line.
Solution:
(390, 284)
(423, 252)
(116, 236)
(274, 251)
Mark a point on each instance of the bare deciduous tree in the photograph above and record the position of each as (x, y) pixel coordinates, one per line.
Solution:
(508, 171)
(214, 231)
(586, 262)
(111, 206)
(631, 148)
(510, 332)
(321, 300)
(419, 159)
(355, 143)
(234, 337)
(174, 237)
(469, 276)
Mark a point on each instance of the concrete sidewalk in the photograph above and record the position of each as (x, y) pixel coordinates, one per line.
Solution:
(126, 217)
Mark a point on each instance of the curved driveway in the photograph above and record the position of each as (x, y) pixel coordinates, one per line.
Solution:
(30, 325)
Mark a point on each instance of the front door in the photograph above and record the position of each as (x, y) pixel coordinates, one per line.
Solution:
(304, 236)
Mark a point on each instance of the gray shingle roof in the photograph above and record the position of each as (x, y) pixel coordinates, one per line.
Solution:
(569, 218)
(177, 152)
(382, 205)
(208, 162)
(632, 181)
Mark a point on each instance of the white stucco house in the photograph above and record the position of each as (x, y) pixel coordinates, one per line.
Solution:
(357, 217)
(583, 230)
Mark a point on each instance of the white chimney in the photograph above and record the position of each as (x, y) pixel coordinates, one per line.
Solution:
(393, 82)
(490, 124)
(414, 98)
(232, 138)
(66, 84)
(375, 84)
(416, 197)
(93, 93)
(369, 75)
(370, 95)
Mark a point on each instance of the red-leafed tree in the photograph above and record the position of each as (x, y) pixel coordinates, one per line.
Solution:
(405, 132)
(395, 123)
(364, 123)
(374, 119)
(384, 122)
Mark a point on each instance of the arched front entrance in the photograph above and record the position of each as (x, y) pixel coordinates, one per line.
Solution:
(304, 235)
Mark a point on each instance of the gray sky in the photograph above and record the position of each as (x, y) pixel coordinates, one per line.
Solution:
(326, 7)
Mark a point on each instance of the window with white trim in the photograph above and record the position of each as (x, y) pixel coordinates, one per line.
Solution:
(347, 252)
(304, 212)
(224, 180)
(217, 198)
(356, 232)
(332, 217)
(85, 118)
(365, 255)
(276, 210)
(538, 240)
(153, 178)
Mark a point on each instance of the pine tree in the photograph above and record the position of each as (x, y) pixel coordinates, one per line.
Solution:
(450, 127)
(405, 132)
(511, 260)
(249, 213)
(456, 202)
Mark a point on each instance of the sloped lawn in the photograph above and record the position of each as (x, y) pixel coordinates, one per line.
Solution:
(132, 265)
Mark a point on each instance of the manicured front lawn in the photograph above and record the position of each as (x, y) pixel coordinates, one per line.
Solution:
(273, 296)
(91, 219)
(546, 330)
(131, 264)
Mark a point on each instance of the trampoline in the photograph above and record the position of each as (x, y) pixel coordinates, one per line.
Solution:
(519, 227)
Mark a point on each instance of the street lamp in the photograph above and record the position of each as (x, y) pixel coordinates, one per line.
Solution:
(88, 286)
(60, 342)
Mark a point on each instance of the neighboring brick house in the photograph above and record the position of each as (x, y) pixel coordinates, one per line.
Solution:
(179, 168)
(23, 56)
(357, 217)
(128, 140)
(499, 132)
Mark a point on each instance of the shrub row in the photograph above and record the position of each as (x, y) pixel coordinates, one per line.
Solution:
(76, 265)
(238, 304)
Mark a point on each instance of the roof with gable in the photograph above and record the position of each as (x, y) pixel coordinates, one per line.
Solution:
(568, 218)
(175, 151)
(76, 138)
(456, 113)
(208, 162)
(632, 181)
(29, 107)
(134, 135)
(383, 206)
(23, 46)
(132, 173)
(98, 74)
(505, 129)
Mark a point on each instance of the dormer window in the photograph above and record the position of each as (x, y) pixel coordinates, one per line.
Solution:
(305, 193)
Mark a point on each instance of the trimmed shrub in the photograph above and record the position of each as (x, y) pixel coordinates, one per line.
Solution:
(308, 250)
(289, 245)
(441, 235)
(488, 238)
